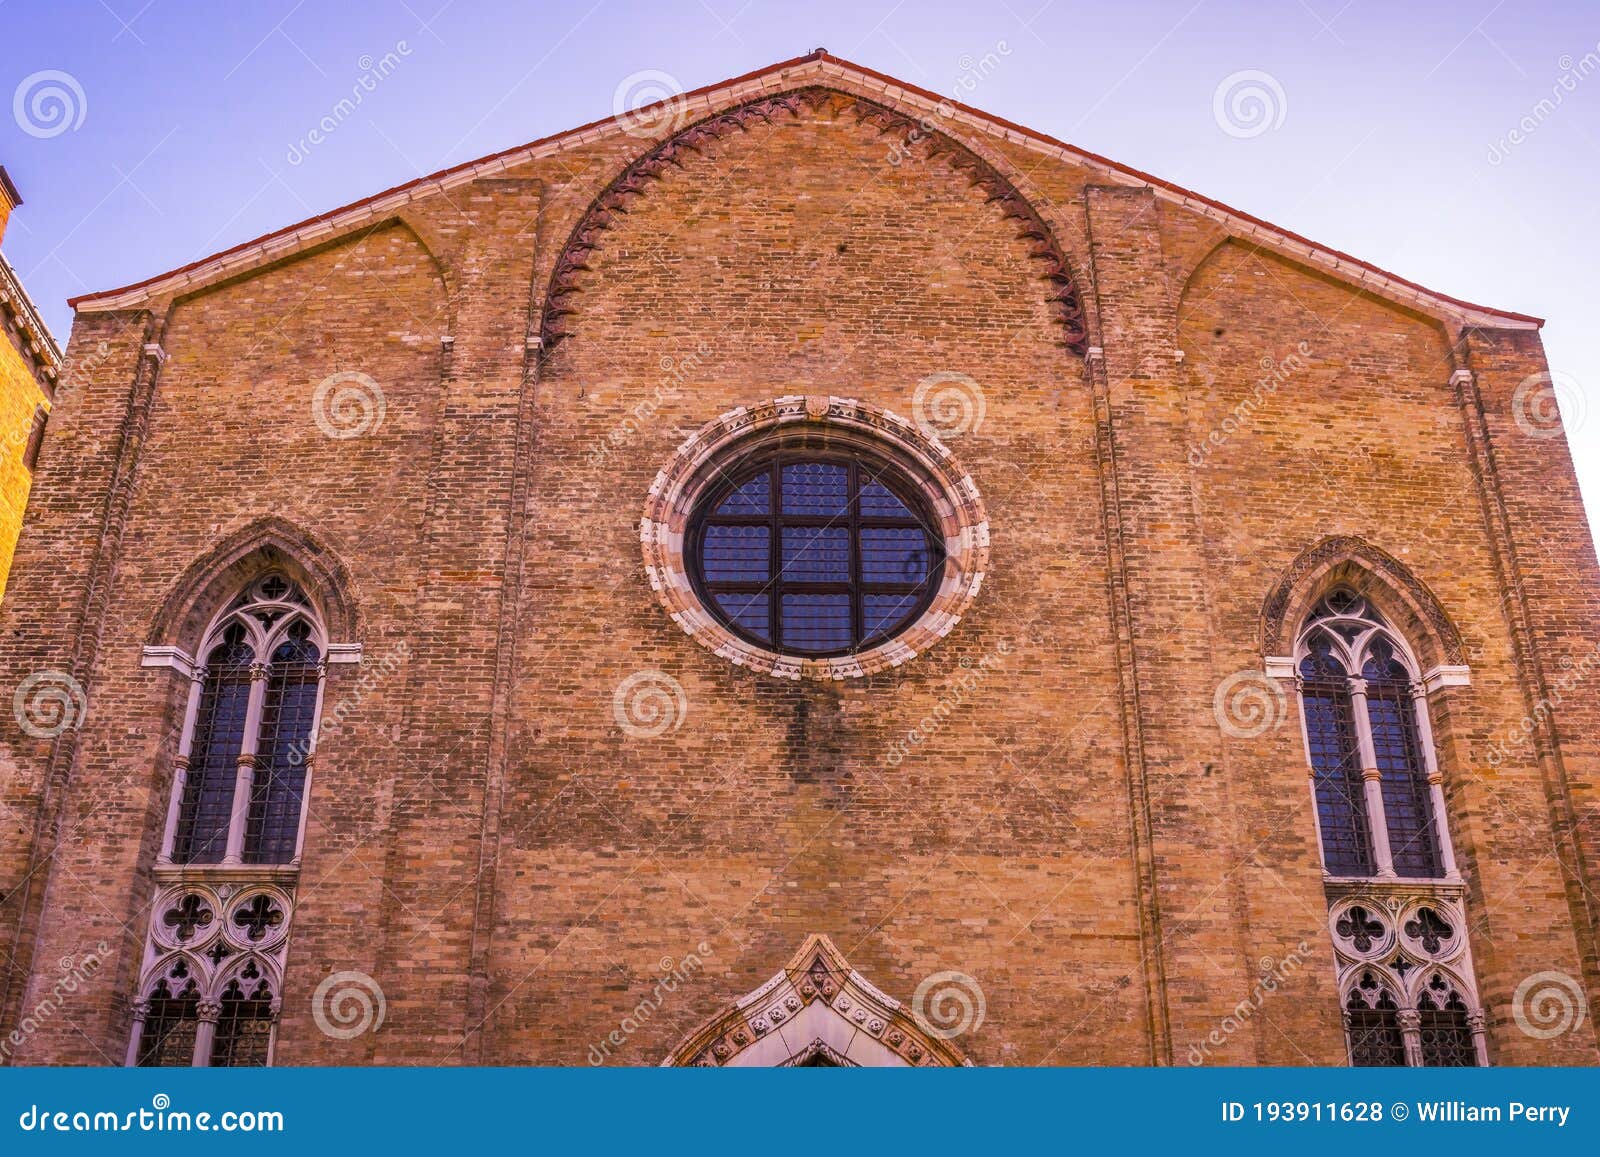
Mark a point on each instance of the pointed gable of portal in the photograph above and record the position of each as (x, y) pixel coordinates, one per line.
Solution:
(818, 1011)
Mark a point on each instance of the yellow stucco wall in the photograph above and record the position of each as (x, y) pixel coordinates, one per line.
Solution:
(19, 396)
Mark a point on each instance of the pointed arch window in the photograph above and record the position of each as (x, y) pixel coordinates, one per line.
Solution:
(243, 761)
(170, 1023)
(1375, 778)
(1372, 1024)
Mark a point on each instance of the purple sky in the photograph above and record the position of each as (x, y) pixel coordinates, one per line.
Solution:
(1389, 135)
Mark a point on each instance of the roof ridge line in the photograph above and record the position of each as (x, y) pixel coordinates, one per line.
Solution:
(292, 237)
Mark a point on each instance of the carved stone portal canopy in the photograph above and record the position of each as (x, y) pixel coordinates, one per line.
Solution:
(818, 1011)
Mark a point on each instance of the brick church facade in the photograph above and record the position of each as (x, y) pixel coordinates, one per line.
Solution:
(807, 574)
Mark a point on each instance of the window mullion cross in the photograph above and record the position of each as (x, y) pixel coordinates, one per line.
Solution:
(1371, 780)
(244, 779)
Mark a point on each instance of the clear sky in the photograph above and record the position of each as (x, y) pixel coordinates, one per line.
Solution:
(1385, 128)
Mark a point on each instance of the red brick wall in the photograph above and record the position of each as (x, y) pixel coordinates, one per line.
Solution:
(511, 867)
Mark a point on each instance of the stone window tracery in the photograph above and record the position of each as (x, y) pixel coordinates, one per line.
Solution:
(1397, 914)
(227, 870)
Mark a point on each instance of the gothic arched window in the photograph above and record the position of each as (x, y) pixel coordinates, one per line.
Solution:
(244, 1021)
(171, 1021)
(239, 792)
(1379, 796)
(1372, 1023)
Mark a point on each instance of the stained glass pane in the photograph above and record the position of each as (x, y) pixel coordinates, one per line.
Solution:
(837, 534)
(753, 612)
(207, 803)
(815, 622)
(1341, 800)
(878, 501)
(736, 554)
(167, 1039)
(883, 613)
(278, 788)
(1407, 803)
(752, 497)
(814, 554)
(244, 1028)
(816, 489)
(893, 554)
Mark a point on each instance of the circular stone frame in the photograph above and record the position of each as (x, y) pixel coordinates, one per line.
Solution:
(834, 425)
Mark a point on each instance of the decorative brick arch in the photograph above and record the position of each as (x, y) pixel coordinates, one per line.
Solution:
(222, 571)
(817, 1007)
(1372, 572)
(604, 211)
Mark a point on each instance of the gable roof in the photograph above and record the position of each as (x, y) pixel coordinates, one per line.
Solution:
(817, 66)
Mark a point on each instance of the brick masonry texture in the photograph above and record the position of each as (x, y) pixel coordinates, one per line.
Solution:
(1077, 834)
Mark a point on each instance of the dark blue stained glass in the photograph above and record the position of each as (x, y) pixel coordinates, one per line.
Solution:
(1341, 798)
(816, 554)
(207, 804)
(736, 554)
(816, 489)
(893, 554)
(752, 497)
(751, 612)
(1382, 664)
(1322, 662)
(883, 613)
(878, 501)
(816, 622)
(1407, 801)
